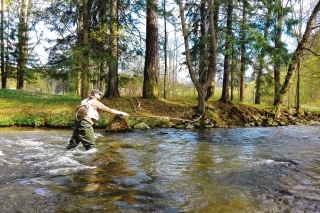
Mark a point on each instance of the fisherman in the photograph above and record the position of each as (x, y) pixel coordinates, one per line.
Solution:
(86, 115)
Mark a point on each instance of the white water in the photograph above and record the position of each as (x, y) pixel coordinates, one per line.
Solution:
(40, 151)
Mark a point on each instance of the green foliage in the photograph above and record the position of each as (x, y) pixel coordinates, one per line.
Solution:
(135, 121)
(103, 121)
(163, 122)
(6, 121)
(149, 121)
(61, 120)
(24, 120)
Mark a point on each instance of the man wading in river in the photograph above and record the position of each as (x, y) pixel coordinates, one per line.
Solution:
(86, 115)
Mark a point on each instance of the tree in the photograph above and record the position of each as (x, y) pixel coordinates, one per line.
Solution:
(243, 49)
(227, 54)
(113, 79)
(3, 73)
(278, 47)
(150, 81)
(199, 37)
(296, 59)
(213, 25)
(264, 47)
(299, 34)
(23, 36)
(280, 54)
(97, 61)
(201, 86)
(85, 23)
(165, 77)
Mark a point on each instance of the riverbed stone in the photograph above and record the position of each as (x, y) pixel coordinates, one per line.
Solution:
(189, 126)
(118, 123)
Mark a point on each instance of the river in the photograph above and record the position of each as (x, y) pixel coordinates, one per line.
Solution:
(162, 170)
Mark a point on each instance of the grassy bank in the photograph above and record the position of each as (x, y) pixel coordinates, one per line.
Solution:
(20, 108)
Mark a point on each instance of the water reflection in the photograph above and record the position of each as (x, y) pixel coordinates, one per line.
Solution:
(165, 170)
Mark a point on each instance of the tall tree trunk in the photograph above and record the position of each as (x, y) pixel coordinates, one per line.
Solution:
(213, 62)
(257, 98)
(261, 58)
(85, 44)
(165, 77)
(102, 76)
(278, 46)
(227, 58)
(243, 50)
(295, 60)
(20, 57)
(7, 51)
(113, 76)
(175, 62)
(298, 108)
(232, 75)
(203, 68)
(212, 67)
(298, 89)
(3, 71)
(150, 81)
(78, 63)
(23, 43)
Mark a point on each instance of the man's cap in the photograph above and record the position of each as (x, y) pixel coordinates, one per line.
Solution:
(96, 91)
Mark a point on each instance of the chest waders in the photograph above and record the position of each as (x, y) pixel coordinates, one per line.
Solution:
(83, 129)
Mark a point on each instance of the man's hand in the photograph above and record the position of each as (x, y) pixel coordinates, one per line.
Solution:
(124, 114)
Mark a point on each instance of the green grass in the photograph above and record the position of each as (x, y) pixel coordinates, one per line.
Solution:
(22, 108)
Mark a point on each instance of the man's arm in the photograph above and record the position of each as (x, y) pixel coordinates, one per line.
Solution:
(100, 106)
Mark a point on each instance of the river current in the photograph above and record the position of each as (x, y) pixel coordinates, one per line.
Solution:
(162, 170)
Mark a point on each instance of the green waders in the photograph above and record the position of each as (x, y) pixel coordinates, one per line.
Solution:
(83, 132)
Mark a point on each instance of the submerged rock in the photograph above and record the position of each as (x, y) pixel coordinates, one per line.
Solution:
(101, 162)
(117, 124)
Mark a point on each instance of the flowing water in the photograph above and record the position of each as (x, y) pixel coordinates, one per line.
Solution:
(163, 170)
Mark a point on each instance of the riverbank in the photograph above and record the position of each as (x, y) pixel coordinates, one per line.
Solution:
(19, 108)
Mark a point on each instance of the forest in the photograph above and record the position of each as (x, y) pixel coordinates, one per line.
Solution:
(257, 51)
